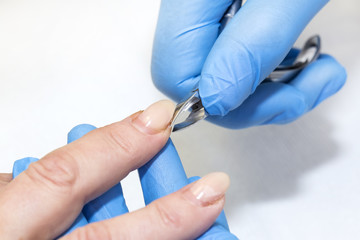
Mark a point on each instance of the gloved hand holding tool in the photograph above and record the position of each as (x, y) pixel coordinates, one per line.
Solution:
(229, 68)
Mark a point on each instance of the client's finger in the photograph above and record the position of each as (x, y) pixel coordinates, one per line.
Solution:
(185, 214)
(21, 165)
(74, 134)
(219, 229)
(112, 202)
(58, 185)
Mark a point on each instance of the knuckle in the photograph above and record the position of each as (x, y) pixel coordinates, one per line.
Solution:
(56, 171)
(92, 232)
(167, 216)
(114, 134)
(300, 107)
(248, 58)
(296, 109)
(295, 106)
(336, 73)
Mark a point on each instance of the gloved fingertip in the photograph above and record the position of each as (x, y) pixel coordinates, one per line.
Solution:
(213, 100)
(223, 87)
(79, 131)
(337, 78)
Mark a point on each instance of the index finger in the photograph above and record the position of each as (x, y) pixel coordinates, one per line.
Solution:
(109, 204)
(185, 33)
(56, 187)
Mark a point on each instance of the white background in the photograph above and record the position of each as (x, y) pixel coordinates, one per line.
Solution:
(68, 62)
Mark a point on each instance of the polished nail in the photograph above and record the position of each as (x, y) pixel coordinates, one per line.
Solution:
(210, 188)
(155, 118)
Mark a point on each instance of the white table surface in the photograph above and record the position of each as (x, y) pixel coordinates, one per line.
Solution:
(68, 62)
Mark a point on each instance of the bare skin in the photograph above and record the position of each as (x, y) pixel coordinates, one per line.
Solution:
(43, 201)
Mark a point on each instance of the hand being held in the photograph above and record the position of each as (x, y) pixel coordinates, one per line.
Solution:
(44, 200)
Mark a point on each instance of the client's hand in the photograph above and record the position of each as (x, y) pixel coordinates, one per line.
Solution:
(44, 200)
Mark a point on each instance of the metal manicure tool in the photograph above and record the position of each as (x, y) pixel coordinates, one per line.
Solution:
(192, 107)
(197, 112)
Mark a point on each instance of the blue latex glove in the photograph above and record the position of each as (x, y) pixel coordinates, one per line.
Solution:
(165, 174)
(228, 69)
(161, 176)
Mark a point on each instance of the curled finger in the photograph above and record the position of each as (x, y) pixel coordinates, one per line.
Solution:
(185, 214)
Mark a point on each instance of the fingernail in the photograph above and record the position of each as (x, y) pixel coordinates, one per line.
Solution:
(155, 118)
(210, 188)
